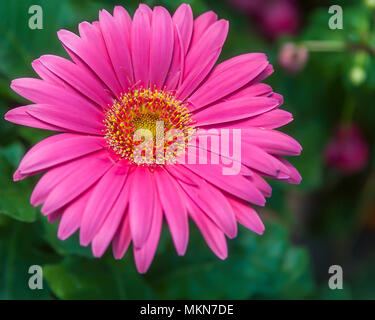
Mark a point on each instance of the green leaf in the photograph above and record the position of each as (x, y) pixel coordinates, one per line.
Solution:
(79, 278)
(13, 153)
(20, 248)
(312, 137)
(69, 246)
(325, 293)
(20, 45)
(14, 197)
(16, 206)
(295, 267)
(257, 267)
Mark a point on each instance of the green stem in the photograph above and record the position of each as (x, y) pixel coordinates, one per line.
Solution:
(325, 46)
(336, 46)
(348, 112)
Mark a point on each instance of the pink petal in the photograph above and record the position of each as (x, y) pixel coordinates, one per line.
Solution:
(183, 18)
(144, 256)
(295, 177)
(70, 118)
(182, 174)
(278, 97)
(247, 216)
(50, 180)
(235, 110)
(76, 79)
(108, 230)
(260, 184)
(20, 116)
(71, 219)
(116, 34)
(145, 9)
(161, 47)
(93, 39)
(254, 90)
(123, 20)
(256, 158)
(141, 205)
(236, 185)
(58, 149)
(265, 74)
(90, 50)
(103, 198)
(174, 209)
(42, 92)
(213, 236)
(194, 78)
(201, 24)
(272, 141)
(202, 57)
(93, 168)
(122, 238)
(46, 74)
(215, 205)
(176, 70)
(228, 77)
(183, 28)
(269, 120)
(207, 153)
(140, 47)
(53, 217)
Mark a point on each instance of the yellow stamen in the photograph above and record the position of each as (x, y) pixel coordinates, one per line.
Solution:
(154, 110)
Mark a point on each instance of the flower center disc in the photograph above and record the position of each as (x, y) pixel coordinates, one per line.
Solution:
(150, 121)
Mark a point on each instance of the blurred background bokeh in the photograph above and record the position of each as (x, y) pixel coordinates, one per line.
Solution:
(327, 78)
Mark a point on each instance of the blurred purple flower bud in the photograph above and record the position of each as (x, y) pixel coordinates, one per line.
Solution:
(293, 58)
(348, 151)
(274, 17)
(279, 17)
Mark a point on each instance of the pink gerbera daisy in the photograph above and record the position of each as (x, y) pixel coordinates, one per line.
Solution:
(153, 74)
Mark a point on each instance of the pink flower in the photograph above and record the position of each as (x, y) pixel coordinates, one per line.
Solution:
(293, 58)
(155, 74)
(348, 151)
(274, 17)
(279, 17)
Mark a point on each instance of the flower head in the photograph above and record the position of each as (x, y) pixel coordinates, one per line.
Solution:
(347, 151)
(152, 131)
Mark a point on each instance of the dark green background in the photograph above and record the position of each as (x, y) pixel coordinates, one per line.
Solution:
(328, 219)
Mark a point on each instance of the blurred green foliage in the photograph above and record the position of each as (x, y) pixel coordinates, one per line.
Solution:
(326, 215)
